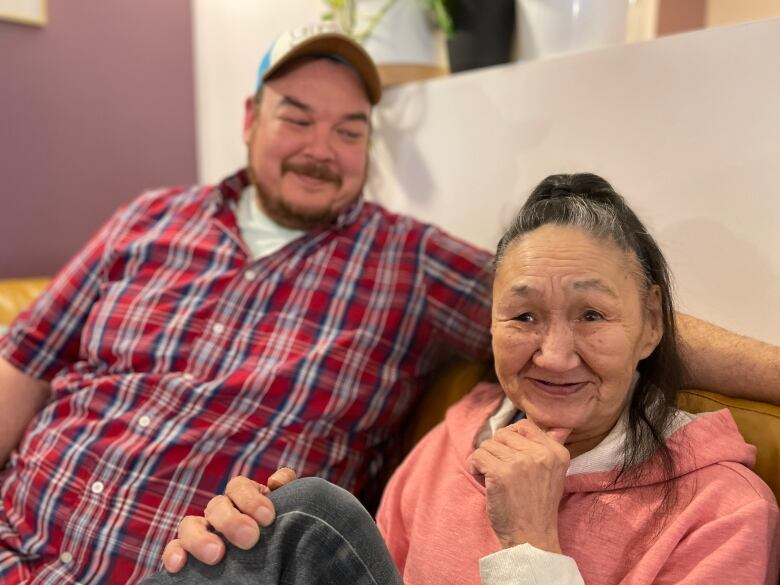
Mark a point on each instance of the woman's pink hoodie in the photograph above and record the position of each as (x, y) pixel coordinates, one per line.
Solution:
(723, 528)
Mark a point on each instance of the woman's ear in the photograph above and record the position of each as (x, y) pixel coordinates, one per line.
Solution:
(654, 323)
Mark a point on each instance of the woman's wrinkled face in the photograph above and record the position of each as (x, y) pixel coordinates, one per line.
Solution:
(571, 320)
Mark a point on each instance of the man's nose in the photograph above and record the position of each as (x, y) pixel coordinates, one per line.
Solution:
(557, 351)
(320, 145)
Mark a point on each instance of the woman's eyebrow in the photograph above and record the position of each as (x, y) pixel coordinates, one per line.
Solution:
(594, 284)
(523, 290)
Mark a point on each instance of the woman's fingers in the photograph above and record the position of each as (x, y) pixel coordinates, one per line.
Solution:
(559, 435)
(528, 430)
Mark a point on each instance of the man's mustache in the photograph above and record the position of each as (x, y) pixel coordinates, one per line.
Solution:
(314, 170)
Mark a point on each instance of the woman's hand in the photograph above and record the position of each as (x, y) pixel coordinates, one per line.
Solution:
(236, 516)
(524, 469)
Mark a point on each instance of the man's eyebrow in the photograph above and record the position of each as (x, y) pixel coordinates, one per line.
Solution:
(595, 284)
(357, 117)
(295, 103)
(288, 100)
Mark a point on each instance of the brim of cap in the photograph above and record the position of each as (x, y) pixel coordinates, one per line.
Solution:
(343, 47)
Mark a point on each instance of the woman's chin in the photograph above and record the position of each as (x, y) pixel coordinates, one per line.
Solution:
(553, 412)
(547, 421)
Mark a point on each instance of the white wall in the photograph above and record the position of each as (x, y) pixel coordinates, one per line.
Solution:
(230, 38)
(685, 126)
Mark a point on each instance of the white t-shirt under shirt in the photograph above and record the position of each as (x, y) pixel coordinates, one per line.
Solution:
(260, 233)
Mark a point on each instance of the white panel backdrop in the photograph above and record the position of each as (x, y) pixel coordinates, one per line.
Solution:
(230, 37)
(687, 127)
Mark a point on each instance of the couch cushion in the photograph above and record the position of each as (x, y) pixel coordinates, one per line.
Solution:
(758, 422)
(16, 294)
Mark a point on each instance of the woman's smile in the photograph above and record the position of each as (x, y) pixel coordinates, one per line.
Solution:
(557, 388)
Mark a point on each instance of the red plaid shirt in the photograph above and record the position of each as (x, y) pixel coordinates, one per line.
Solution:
(177, 362)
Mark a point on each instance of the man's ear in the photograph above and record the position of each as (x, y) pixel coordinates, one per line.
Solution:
(251, 111)
(654, 322)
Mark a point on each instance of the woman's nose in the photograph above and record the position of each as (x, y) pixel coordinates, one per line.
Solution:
(556, 349)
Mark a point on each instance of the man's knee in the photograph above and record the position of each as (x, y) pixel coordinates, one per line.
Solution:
(320, 528)
(317, 497)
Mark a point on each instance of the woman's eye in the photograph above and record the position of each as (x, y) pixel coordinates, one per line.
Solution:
(525, 318)
(591, 315)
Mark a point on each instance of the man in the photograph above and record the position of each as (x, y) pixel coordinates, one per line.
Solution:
(276, 319)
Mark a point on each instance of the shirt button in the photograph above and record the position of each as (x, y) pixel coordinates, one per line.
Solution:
(250, 275)
(218, 328)
(144, 422)
(66, 557)
(97, 487)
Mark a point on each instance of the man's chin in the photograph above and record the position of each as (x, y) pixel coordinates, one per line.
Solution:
(299, 217)
(303, 211)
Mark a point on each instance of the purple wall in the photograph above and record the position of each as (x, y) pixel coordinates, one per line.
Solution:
(94, 107)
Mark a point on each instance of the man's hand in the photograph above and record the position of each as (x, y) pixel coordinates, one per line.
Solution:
(21, 398)
(237, 515)
(524, 470)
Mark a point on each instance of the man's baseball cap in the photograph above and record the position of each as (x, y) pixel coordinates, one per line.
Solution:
(323, 39)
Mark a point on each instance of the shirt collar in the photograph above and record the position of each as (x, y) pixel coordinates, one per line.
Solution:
(506, 414)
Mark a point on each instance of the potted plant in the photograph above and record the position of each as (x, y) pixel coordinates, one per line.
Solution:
(344, 12)
(440, 10)
(398, 34)
(483, 32)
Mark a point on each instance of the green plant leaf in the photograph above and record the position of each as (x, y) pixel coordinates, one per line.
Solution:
(441, 15)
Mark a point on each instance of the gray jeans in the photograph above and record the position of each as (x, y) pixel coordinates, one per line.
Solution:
(322, 535)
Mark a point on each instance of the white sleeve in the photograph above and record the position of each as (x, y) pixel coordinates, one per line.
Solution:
(527, 565)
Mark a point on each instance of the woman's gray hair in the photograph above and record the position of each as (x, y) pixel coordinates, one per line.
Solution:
(588, 202)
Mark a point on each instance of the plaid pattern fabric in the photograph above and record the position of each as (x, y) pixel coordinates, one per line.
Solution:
(176, 363)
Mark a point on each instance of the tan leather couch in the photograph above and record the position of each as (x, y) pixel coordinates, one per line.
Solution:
(758, 422)
(16, 294)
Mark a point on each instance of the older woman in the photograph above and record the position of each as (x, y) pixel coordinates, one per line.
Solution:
(575, 468)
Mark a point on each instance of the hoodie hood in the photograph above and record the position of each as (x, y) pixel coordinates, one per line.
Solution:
(698, 441)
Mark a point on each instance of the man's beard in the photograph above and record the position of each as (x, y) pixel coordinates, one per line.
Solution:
(292, 216)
